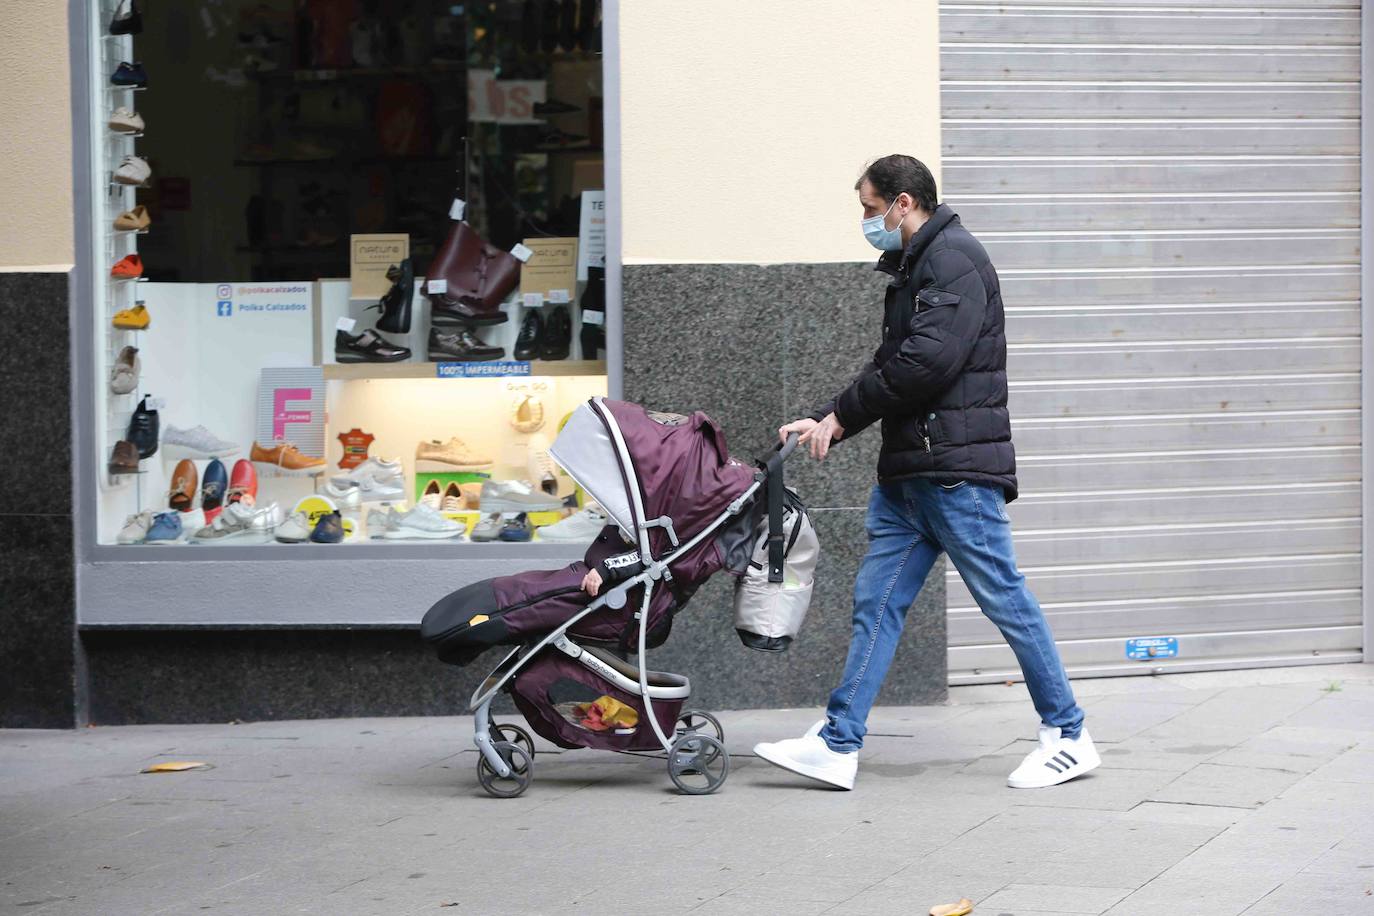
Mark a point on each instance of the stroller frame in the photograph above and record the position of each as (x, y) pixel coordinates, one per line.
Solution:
(655, 574)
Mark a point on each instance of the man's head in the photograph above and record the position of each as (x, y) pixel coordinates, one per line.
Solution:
(900, 190)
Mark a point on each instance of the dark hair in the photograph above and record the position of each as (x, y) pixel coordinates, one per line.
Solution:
(891, 175)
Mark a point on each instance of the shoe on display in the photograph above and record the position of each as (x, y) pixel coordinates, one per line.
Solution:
(530, 340)
(196, 442)
(212, 486)
(380, 521)
(123, 458)
(127, 19)
(517, 529)
(461, 347)
(459, 313)
(422, 522)
(453, 499)
(285, 458)
(472, 495)
(453, 455)
(375, 468)
(528, 414)
(367, 347)
(294, 530)
(243, 482)
(811, 757)
(1057, 759)
(133, 220)
(581, 526)
(181, 496)
(135, 528)
(127, 74)
(516, 496)
(124, 121)
(134, 319)
(328, 530)
(556, 342)
(129, 267)
(488, 529)
(395, 304)
(553, 107)
(143, 429)
(377, 479)
(133, 170)
(541, 466)
(237, 521)
(124, 373)
(433, 495)
(166, 529)
(345, 493)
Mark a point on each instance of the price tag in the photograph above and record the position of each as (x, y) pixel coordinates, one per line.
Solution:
(533, 300)
(593, 317)
(458, 209)
(558, 296)
(346, 325)
(157, 403)
(522, 254)
(437, 286)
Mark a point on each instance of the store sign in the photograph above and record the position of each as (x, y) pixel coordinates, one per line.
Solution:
(291, 408)
(495, 369)
(369, 258)
(355, 445)
(1151, 648)
(495, 101)
(591, 233)
(262, 300)
(551, 271)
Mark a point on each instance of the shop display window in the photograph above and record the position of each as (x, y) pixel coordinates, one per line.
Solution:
(350, 262)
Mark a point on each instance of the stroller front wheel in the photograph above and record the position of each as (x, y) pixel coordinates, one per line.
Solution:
(695, 720)
(515, 735)
(521, 771)
(698, 764)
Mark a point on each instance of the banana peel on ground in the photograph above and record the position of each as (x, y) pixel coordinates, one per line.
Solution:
(962, 908)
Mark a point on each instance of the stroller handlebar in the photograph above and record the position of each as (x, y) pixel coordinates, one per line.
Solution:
(785, 449)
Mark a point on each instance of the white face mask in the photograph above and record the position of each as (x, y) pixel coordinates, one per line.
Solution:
(879, 236)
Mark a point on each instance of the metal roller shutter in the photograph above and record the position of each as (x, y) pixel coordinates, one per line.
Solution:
(1170, 190)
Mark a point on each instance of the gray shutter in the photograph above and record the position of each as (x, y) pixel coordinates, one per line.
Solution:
(1176, 228)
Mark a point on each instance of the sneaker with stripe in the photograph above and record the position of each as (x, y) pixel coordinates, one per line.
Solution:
(1057, 759)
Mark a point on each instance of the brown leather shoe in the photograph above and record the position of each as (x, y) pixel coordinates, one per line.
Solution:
(124, 458)
(285, 458)
(133, 220)
(182, 496)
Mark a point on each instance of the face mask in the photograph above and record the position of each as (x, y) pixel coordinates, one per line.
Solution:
(881, 237)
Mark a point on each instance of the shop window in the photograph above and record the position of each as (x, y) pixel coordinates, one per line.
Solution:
(349, 261)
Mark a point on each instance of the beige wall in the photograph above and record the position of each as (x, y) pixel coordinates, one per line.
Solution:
(35, 137)
(745, 125)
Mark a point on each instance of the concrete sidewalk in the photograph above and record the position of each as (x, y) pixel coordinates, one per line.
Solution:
(1248, 792)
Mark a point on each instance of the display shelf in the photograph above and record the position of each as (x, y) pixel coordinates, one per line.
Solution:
(558, 367)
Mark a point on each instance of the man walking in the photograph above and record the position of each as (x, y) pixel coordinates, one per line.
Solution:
(938, 384)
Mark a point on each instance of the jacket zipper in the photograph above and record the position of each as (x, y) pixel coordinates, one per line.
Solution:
(925, 431)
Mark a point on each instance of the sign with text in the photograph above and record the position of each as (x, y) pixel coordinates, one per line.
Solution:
(591, 233)
(495, 101)
(369, 257)
(291, 408)
(494, 369)
(1152, 647)
(551, 270)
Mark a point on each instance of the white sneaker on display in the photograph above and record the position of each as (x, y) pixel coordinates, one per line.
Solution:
(196, 442)
(580, 526)
(380, 521)
(516, 496)
(1056, 760)
(424, 522)
(345, 494)
(377, 480)
(811, 757)
(295, 530)
(135, 528)
(237, 521)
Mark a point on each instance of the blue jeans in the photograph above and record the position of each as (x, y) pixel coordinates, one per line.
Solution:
(909, 523)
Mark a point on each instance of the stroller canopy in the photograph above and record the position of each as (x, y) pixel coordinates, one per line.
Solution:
(679, 465)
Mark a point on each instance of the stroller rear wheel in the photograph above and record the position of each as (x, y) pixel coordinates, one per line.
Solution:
(695, 720)
(698, 764)
(515, 735)
(521, 771)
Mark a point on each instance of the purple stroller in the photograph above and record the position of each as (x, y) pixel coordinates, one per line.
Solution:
(682, 509)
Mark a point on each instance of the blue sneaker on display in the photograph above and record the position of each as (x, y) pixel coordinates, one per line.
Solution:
(166, 529)
(328, 530)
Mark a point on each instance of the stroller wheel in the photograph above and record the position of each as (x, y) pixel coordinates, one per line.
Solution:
(521, 771)
(698, 764)
(695, 720)
(515, 735)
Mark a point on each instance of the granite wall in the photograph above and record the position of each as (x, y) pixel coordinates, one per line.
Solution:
(37, 585)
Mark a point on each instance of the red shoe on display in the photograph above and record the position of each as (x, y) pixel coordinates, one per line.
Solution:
(129, 267)
(243, 483)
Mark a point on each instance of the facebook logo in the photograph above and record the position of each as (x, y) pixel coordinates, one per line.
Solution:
(224, 308)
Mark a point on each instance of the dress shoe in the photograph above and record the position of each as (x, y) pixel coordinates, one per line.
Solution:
(447, 311)
(127, 19)
(127, 75)
(124, 458)
(395, 305)
(328, 530)
(367, 347)
(133, 220)
(243, 483)
(530, 342)
(212, 488)
(134, 319)
(143, 429)
(557, 335)
(182, 494)
(285, 458)
(462, 347)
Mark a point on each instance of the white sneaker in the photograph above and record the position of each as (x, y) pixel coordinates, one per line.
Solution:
(516, 496)
(811, 757)
(239, 520)
(295, 530)
(377, 479)
(135, 528)
(345, 493)
(124, 121)
(1056, 760)
(380, 521)
(196, 442)
(424, 522)
(434, 495)
(453, 499)
(132, 170)
(580, 526)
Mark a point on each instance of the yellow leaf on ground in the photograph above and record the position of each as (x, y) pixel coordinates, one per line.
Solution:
(962, 908)
(176, 766)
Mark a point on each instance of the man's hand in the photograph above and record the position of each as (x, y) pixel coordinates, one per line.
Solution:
(815, 436)
(591, 582)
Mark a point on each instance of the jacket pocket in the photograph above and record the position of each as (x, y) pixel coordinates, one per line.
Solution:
(933, 297)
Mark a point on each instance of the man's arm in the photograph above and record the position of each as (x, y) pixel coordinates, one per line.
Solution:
(937, 346)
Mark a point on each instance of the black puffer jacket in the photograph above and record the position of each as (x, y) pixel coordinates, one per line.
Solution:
(938, 382)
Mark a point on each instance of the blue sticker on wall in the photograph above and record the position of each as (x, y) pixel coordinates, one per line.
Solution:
(493, 369)
(1152, 647)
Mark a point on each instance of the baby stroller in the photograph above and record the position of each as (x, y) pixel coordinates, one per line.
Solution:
(681, 509)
